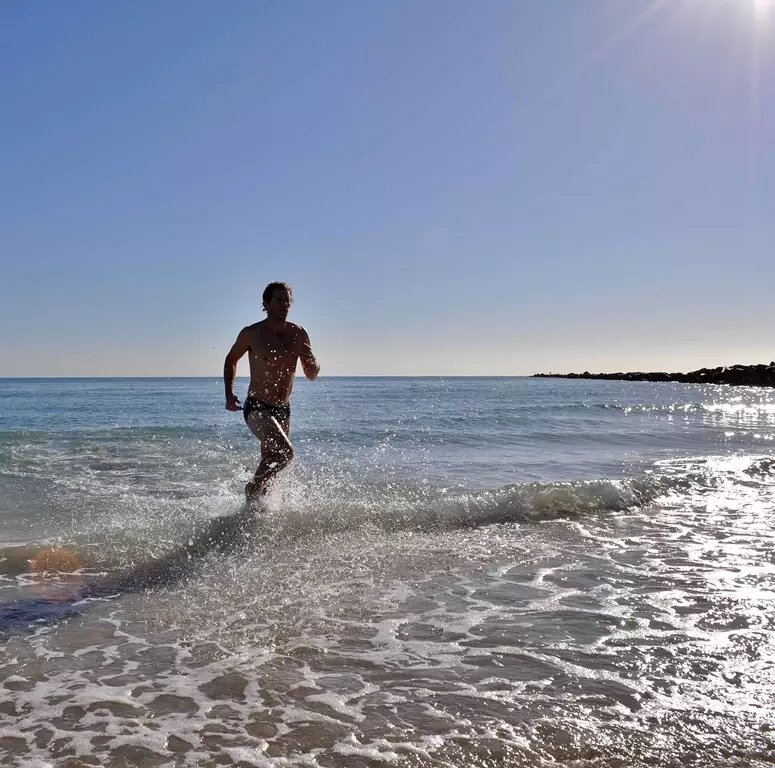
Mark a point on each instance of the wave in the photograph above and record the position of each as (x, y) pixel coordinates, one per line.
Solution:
(301, 508)
(512, 504)
(70, 575)
(92, 570)
(300, 512)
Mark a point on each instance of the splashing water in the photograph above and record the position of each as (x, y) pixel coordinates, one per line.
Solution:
(459, 573)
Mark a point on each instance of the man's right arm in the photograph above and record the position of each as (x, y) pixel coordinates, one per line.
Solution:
(239, 348)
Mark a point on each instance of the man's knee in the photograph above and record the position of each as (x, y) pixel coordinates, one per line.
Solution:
(281, 456)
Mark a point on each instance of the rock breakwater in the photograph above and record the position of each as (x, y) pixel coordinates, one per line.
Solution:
(735, 375)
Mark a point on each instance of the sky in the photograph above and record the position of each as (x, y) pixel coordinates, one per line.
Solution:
(452, 188)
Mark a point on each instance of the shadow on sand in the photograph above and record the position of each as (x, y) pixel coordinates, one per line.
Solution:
(222, 535)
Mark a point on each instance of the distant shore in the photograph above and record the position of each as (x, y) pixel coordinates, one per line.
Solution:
(735, 375)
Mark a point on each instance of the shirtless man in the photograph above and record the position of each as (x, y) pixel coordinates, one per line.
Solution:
(274, 346)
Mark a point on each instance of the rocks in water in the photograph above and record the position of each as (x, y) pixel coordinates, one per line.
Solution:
(737, 375)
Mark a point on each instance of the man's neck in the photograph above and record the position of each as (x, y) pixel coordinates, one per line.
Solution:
(276, 323)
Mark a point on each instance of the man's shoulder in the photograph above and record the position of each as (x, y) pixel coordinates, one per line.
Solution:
(251, 333)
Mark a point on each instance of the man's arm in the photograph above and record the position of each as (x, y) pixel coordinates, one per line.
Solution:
(237, 351)
(309, 364)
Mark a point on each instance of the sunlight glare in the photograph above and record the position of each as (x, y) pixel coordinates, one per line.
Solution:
(762, 8)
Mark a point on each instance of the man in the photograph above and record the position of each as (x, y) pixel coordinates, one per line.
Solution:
(274, 346)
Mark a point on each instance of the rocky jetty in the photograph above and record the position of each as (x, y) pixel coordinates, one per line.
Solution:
(736, 375)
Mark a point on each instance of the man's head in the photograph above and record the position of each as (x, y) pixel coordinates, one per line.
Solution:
(277, 299)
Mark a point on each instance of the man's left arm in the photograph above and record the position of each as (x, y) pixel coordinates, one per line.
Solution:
(309, 364)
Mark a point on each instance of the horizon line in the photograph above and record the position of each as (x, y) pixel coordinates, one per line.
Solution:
(331, 376)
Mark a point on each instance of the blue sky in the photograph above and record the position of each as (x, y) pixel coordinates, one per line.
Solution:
(499, 187)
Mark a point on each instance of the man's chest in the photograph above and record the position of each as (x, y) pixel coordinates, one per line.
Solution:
(273, 345)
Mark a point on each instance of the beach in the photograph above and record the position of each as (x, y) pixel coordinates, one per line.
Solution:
(453, 572)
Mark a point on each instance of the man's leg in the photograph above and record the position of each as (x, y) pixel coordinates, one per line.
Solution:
(276, 450)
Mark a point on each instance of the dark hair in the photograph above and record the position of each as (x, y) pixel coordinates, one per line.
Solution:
(269, 290)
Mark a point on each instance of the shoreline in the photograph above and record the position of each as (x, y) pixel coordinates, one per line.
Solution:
(735, 375)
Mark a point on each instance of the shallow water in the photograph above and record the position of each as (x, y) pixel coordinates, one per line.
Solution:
(466, 572)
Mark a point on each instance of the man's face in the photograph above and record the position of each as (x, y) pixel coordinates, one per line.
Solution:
(279, 304)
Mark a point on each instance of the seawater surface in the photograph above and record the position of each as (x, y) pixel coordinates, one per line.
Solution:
(453, 572)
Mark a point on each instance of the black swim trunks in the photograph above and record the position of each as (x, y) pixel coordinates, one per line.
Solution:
(280, 412)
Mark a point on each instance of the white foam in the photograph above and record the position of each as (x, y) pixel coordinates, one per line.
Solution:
(334, 624)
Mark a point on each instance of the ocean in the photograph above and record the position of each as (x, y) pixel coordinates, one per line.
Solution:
(453, 572)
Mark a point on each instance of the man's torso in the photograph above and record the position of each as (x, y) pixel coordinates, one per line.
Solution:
(273, 356)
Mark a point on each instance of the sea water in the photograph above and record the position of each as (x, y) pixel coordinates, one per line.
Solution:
(453, 572)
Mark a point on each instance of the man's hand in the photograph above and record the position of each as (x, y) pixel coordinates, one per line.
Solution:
(309, 364)
(239, 348)
(233, 403)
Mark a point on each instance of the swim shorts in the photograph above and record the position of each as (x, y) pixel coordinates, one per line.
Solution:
(280, 412)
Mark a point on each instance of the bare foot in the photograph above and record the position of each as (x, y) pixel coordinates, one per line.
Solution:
(254, 492)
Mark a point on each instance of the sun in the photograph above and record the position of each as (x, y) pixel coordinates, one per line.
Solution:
(763, 7)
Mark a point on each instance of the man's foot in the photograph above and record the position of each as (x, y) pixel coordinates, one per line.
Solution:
(254, 492)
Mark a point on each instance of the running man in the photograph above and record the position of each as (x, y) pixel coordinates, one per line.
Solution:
(274, 347)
